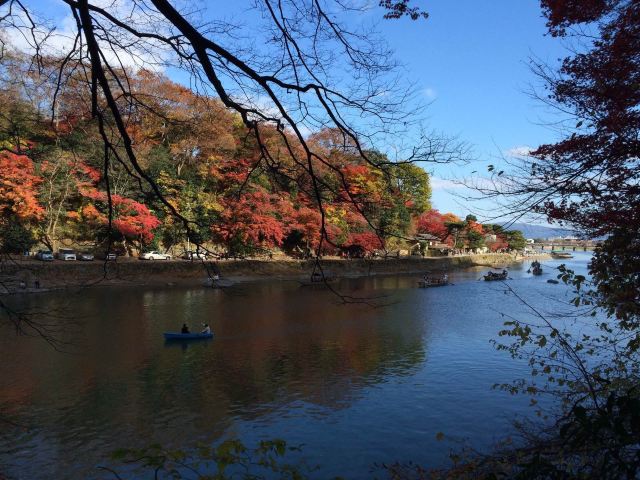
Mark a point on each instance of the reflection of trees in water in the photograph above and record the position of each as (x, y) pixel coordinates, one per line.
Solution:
(275, 347)
(290, 345)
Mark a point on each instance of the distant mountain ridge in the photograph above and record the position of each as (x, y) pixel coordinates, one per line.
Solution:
(539, 231)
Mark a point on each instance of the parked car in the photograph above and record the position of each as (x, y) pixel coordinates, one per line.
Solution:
(155, 256)
(66, 254)
(85, 256)
(111, 257)
(45, 255)
(189, 255)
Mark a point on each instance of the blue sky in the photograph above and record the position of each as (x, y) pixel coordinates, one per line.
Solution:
(470, 60)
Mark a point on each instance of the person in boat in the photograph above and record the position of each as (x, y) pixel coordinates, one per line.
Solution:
(206, 329)
(504, 272)
(185, 328)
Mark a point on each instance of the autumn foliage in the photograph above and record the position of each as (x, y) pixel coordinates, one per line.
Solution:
(210, 168)
(19, 188)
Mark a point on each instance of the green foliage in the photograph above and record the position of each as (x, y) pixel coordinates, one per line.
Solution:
(515, 239)
(475, 239)
(454, 229)
(413, 183)
(15, 238)
(497, 229)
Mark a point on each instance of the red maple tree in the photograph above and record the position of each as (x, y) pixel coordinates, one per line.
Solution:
(19, 187)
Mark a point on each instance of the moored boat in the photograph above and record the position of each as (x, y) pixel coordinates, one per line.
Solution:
(432, 283)
(429, 281)
(493, 276)
(555, 254)
(186, 336)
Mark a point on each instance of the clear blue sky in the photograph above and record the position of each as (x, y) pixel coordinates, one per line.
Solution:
(470, 59)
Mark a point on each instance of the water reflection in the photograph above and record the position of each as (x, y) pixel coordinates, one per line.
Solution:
(355, 384)
(275, 346)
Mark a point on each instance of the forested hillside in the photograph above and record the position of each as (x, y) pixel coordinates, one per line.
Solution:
(212, 182)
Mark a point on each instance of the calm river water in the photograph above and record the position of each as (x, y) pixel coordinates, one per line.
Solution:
(355, 385)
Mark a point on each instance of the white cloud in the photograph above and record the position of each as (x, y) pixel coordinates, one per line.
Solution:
(430, 93)
(521, 151)
(149, 54)
(444, 184)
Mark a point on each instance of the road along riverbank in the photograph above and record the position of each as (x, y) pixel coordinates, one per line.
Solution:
(30, 276)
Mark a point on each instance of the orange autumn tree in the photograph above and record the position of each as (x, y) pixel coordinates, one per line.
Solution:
(18, 189)
(255, 220)
(131, 220)
(432, 223)
(19, 205)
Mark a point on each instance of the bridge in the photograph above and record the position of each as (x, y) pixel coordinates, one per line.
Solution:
(569, 247)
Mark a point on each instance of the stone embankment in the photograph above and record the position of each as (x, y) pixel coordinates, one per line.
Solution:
(18, 275)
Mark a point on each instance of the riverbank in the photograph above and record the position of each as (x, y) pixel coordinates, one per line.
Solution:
(35, 276)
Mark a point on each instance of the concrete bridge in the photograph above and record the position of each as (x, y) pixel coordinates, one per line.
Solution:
(569, 247)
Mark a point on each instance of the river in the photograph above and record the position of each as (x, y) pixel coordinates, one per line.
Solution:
(354, 385)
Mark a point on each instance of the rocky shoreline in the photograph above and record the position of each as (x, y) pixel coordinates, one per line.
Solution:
(29, 276)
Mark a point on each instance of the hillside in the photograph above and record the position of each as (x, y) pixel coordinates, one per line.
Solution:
(540, 231)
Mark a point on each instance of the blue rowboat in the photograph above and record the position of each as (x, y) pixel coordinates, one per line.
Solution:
(186, 336)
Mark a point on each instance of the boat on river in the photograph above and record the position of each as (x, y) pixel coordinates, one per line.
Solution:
(536, 268)
(494, 276)
(428, 282)
(186, 336)
(555, 254)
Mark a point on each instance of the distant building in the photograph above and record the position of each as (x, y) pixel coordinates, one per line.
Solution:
(490, 237)
(431, 240)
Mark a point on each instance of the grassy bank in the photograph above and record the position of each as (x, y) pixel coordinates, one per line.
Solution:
(57, 274)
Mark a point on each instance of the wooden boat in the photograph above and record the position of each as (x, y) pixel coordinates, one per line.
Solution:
(492, 276)
(186, 336)
(428, 281)
(555, 254)
(432, 282)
